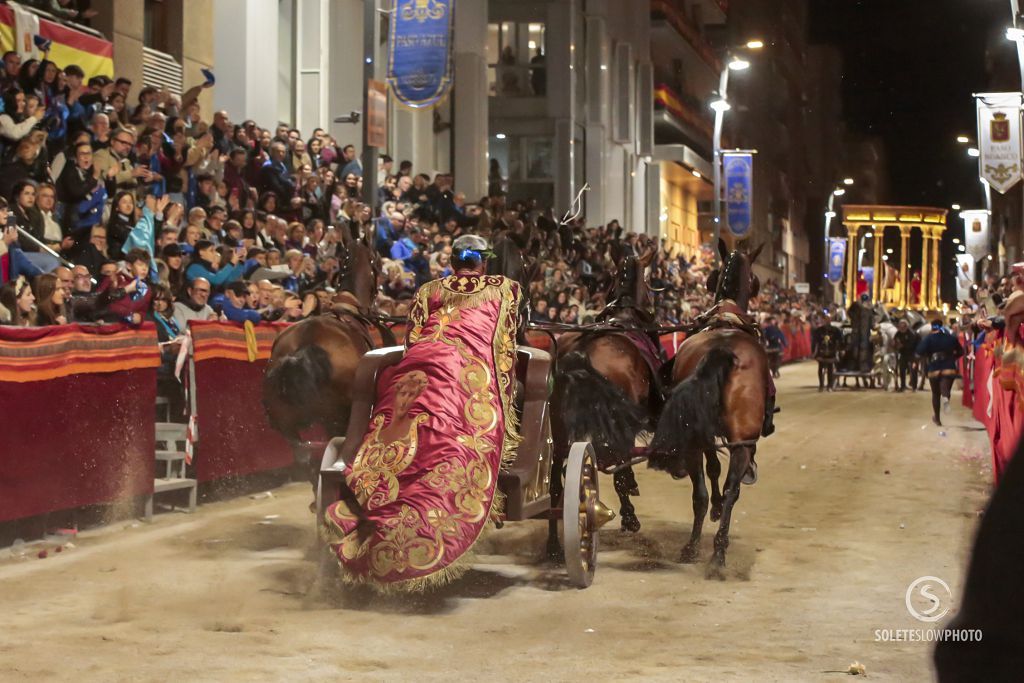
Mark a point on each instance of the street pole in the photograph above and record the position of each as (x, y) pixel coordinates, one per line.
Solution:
(370, 41)
(828, 228)
(717, 144)
(1015, 9)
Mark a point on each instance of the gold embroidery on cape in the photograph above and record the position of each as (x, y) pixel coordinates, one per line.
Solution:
(474, 483)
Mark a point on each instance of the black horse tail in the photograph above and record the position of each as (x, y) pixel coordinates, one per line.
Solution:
(592, 408)
(692, 417)
(298, 378)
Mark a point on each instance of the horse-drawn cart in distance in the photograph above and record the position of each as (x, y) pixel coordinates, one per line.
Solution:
(530, 485)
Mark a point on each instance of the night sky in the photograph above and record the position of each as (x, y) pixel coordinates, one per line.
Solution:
(910, 67)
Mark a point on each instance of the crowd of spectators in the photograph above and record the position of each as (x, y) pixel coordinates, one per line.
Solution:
(161, 212)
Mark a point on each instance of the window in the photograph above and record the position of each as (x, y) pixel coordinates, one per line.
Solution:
(154, 26)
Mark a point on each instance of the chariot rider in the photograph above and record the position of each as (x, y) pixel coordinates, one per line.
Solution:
(426, 472)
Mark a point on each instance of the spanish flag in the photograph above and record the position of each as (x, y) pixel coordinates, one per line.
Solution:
(18, 27)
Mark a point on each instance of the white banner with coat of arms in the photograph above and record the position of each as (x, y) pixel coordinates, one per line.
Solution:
(999, 139)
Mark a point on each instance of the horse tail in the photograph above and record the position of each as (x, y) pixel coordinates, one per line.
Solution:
(592, 408)
(298, 378)
(692, 417)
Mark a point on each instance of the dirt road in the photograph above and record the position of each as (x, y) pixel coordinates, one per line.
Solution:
(858, 496)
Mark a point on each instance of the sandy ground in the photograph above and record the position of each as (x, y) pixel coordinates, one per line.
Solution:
(858, 496)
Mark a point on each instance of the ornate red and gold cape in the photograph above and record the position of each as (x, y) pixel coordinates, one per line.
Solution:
(426, 472)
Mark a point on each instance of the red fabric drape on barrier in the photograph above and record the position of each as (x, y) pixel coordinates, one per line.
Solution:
(234, 436)
(82, 439)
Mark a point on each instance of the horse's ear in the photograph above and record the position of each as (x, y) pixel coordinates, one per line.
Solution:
(712, 283)
(757, 252)
(755, 285)
(723, 250)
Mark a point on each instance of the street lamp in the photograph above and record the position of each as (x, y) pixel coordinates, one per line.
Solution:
(739, 64)
(830, 213)
(955, 207)
(1015, 34)
(720, 106)
(962, 139)
(973, 152)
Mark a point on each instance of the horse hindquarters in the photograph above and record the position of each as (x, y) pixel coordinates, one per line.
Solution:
(692, 417)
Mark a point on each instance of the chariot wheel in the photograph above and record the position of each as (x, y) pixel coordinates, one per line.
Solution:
(580, 505)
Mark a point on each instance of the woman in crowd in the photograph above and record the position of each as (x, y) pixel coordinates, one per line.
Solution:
(49, 298)
(14, 124)
(27, 217)
(17, 297)
(172, 257)
(122, 220)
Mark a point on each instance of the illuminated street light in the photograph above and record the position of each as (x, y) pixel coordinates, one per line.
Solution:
(721, 105)
(956, 240)
(739, 64)
(869, 235)
(847, 181)
(755, 44)
(500, 136)
(885, 257)
(974, 152)
(696, 173)
(888, 251)
(962, 139)
(1015, 34)
(839, 192)
(956, 207)
(832, 214)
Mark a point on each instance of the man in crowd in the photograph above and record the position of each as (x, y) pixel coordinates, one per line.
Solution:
(274, 175)
(906, 342)
(195, 307)
(775, 342)
(942, 350)
(825, 342)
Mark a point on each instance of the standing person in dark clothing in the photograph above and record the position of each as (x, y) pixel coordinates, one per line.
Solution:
(825, 342)
(941, 349)
(906, 341)
(775, 342)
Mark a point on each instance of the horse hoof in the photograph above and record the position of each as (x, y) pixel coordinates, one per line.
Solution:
(716, 512)
(716, 568)
(689, 555)
(630, 523)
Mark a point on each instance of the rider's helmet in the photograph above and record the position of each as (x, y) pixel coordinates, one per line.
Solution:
(469, 251)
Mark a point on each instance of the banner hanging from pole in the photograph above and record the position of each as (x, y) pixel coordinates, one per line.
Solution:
(836, 259)
(739, 186)
(999, 139)
(419, 51)
(964, 276)
(976, 225)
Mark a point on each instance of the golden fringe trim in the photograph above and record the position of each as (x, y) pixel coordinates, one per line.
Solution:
(420, 584)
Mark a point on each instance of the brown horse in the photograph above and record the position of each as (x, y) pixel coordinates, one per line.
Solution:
(313, 363)
(720, 377)
(606, 390)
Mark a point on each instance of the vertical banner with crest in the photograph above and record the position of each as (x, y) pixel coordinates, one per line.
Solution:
(999, 139)
(836, 259)
(419, 51)
(738, 170)
(964, 276)
(976, 233)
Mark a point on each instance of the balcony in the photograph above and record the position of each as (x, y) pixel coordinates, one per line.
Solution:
(665, 13)
(678, 119)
